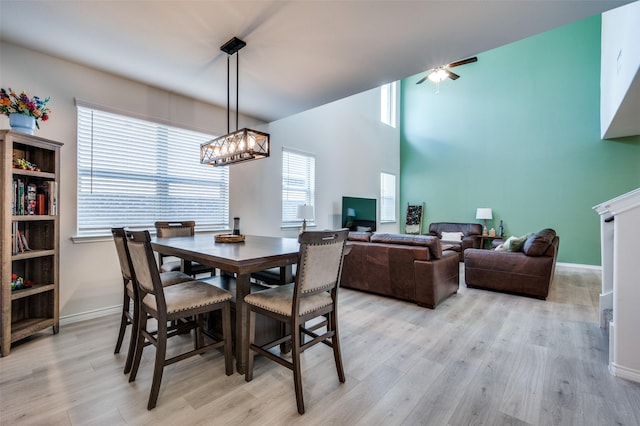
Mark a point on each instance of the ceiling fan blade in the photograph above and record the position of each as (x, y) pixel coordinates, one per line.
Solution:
(462, 62)
(422, 79)
(452, 75)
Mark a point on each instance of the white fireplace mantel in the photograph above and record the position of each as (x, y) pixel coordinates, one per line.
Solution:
(620, 239)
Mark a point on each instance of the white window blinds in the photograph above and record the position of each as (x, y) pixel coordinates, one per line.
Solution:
(298, 185)
(387, 197)
(133, 172)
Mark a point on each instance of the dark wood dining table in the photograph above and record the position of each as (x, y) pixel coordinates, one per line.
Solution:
(255, 253)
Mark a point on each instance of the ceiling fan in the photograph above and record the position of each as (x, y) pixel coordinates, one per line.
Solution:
(440, 73)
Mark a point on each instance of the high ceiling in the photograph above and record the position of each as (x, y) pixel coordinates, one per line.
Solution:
(299, 54)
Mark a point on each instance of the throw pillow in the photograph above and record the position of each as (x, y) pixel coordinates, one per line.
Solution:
(452, 236)
(514, 243)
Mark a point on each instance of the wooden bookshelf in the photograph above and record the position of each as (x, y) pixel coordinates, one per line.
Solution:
(29, 220)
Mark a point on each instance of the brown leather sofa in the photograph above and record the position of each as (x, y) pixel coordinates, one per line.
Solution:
(407, 267)
(469, 231)
(528, 272)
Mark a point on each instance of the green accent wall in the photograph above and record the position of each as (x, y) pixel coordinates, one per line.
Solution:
(518, 132)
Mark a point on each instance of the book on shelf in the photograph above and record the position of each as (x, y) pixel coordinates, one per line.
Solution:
(25, 243)
(41, 203)
(20, 197)
(15, 248)
(19, 236)
(30, 201)
(53, 197)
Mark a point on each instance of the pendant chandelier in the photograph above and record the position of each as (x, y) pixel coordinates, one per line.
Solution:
(240, 145)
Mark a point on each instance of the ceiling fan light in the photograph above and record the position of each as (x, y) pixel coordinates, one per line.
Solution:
(438, 75)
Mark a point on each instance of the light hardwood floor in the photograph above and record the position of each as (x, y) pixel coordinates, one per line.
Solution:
(479, 358)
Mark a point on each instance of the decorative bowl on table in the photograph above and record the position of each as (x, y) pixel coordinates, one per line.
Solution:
(229, 238)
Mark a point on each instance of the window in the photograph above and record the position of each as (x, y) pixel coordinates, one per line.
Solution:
(298, 185)
(133, 172)
(388, 104)
(387, 197)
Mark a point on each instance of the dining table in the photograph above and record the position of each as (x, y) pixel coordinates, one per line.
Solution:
(255, 253)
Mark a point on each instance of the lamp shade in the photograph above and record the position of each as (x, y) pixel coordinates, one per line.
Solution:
(484, 213)
(305, 212)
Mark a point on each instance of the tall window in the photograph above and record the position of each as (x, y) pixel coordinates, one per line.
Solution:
(133, 172)
(298, 185)
(388, 104)
(387, 197)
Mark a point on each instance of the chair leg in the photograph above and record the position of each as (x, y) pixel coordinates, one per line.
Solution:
(198, 339)
(132, 341)
(226, 335)
(161, 349)
(139, 346)
(297, 373)
(335, 343)
(124, 321)
(251, 328)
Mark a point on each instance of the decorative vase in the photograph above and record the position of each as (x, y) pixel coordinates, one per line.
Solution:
(22, 123)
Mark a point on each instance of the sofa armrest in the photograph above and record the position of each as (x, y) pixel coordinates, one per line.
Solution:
(470, 242)
(436, 280)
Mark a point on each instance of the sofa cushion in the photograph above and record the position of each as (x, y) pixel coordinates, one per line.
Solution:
(359, 236)
(452, 236)
(432, 243)
(537, 244)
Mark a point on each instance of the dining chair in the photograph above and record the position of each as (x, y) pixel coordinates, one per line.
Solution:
(314, 294)
(274, 276)
(186, 302)
(129, 312)
(180, 229)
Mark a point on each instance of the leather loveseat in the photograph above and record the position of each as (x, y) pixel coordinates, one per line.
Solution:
(528, 272)
(407, 267)
(469, 235)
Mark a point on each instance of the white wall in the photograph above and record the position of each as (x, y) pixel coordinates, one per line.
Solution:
(620, 72)
(350, 145)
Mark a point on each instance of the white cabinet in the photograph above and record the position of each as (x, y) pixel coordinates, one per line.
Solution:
(620, 235)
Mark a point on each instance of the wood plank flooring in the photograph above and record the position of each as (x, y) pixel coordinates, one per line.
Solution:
(480, 358)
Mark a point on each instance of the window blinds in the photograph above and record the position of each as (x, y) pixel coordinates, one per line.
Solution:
(133, 172)
(298, 185)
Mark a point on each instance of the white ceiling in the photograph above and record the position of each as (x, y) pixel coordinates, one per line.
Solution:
(299, 54)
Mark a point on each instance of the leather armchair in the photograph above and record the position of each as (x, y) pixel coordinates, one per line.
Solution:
(470, 231)
(529, 272)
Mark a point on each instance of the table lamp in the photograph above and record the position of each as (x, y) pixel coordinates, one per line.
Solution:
(305, 213)
(484, 213)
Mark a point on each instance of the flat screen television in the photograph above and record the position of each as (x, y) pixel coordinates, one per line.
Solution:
(359, 214)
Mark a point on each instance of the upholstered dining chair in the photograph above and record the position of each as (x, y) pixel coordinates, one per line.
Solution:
(180, 229)
(129, 312)
(314, 294)
(185, 303)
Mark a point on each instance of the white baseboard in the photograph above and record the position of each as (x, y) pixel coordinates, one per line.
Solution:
(624, 372)
(83, 316)
(579, 266)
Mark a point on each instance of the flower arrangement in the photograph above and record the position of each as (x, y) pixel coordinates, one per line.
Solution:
(11, 103)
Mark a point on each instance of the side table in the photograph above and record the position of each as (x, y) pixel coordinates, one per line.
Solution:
(489, 238)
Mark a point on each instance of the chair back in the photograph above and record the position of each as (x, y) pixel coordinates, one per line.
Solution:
(145, 269)
(320, 261)
(175, 229)
(120, 239)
